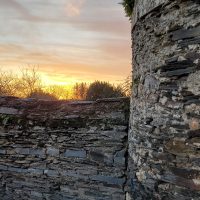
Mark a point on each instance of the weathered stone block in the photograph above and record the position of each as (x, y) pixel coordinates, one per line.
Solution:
(74, 174)
(8, 111)
(35, 171)
(119, 161)
(37, 152)
(49, 172)
(75, 153)
(2, 151)
(18, 170)
(108, 179)
(3, 167)
(186, 33)
(36, 194)
(25, 151)
(53, 151)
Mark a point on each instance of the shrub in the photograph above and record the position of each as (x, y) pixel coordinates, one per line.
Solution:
(100, 90)
(41, 95)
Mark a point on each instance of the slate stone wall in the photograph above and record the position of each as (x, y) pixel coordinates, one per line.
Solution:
(59, 150)
(164, 136)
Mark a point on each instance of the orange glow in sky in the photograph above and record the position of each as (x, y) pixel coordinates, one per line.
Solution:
(70, 40)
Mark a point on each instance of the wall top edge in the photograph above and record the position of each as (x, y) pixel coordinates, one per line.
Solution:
(4, 99)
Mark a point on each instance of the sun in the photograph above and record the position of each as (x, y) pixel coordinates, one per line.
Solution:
(61, 81)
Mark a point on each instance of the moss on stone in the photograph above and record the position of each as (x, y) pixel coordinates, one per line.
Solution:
(128, 7)
(4, 119)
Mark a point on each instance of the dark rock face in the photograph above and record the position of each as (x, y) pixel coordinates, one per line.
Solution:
(63, 150)
(164, 136)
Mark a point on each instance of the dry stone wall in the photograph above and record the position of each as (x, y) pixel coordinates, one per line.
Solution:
(59, 150)
(164, 136)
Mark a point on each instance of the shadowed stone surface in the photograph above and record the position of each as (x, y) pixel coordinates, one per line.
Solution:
(58, 150)
(164, 136)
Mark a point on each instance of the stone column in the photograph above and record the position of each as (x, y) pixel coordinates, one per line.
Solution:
(164, 136)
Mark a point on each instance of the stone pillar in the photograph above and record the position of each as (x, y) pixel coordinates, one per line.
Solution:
(164, 136)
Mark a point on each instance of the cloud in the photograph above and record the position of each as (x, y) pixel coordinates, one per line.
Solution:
(40, 14)
(18, 7)
(74, 7)
(68, 39)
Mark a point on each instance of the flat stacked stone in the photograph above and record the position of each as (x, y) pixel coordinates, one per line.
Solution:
(63, 150)
(164, 136)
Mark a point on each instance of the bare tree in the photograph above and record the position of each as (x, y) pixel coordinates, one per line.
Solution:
(7, 83)
(29, 81)
(80, 91)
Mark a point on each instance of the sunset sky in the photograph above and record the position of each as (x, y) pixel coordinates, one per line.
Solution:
(70, 40)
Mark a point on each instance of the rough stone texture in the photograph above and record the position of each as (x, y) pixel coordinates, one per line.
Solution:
(143, 7)
(59, 150)
(164, 136)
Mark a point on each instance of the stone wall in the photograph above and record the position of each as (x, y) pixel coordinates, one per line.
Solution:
(59, 150)
(164, 137)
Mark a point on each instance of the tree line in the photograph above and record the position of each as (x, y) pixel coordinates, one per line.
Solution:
(28, 84)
